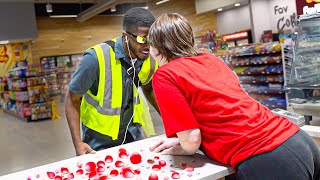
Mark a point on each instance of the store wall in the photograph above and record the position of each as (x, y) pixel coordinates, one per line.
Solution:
(233, 20)
(67, 36)
(273, 15)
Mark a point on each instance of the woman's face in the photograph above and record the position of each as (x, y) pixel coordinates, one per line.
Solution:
(157, 56)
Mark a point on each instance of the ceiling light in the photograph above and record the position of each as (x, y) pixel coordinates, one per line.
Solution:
(113, 9)
(4, 42)
(160, 2)
(63, 16)
(220, 9)
(49, 8)
(237, 4)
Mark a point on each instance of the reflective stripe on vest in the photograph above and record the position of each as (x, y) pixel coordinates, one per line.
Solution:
(106, 108)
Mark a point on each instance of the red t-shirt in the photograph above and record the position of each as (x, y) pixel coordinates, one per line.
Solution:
(202, 92)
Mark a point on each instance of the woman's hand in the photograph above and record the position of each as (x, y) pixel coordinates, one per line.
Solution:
(164, 145)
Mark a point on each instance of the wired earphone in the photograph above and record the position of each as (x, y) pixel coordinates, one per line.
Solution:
(136, 98)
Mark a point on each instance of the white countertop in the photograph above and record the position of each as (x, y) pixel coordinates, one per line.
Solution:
(204, 168)
(313, 131)
(308, 108)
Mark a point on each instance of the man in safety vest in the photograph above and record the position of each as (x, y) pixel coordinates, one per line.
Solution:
(108, 79)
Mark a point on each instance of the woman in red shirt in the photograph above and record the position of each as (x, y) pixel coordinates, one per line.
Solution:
(203, 105)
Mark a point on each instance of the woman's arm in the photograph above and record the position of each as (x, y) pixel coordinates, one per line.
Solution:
(187, 143)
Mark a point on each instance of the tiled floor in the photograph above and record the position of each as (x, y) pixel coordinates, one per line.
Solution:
(26, 145)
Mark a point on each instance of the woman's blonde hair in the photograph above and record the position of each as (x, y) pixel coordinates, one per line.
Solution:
(172, 36)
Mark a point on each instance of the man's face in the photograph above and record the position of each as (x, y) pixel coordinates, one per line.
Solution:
(136, 40)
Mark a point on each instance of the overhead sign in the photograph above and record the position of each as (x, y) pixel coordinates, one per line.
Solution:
(239, 35)
(304, 5)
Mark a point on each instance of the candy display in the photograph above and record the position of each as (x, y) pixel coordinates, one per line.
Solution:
(258, 66)
(27, 94)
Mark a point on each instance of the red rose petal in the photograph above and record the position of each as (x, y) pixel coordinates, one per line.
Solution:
(100, 169)
(162, 163)
(90, 166)
(156, 157)
(135, 158)
(150, 161)
(114, 173)
(108, 159)
(119, 164)
(50, 175)
(137, 171)
(184, 164)
(127, 173)
(58, 178)
(123, 154)
(103, 178)
(153, 177)
(79, 165)
(100, 163)
(175, 175)
(156, 167)
(190, 168)
(71, 176)
(93, 174)
(64, 170)
(79, 172)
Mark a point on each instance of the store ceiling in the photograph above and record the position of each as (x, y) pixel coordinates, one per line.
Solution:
(83, 8)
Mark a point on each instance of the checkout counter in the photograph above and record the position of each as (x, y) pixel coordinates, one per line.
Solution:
(153, 166)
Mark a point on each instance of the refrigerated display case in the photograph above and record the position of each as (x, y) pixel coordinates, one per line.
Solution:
(305, 71)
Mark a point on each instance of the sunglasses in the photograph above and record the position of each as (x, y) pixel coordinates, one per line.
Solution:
(139, 39)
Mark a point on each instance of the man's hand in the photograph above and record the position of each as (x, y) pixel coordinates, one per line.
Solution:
(164, 145)
(83, 148)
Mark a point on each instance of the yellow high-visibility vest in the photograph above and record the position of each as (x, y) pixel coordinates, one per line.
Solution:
(101, 112)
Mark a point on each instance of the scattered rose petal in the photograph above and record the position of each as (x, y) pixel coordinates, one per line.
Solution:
(123, 154)
(153, 177)
(119, 164)
(150, 161)
(50, 175)
(189, 174)
(156, 157)
(162, 163)
(100, 163)
(175, 175)
(103, 178)
(166, 178)
(64, 170)
(79, 164)
(156, 167)
(93, 174)
(29, 178)
(135, 158)
(100, 169)
(79, 172)
(71, 176)
(38, 176)
(114, 173)
(58, 178)
(90, 166)
(127, 173)
(108, 159)
(137, 171)
(190, 168)
(184, 164)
